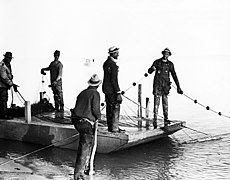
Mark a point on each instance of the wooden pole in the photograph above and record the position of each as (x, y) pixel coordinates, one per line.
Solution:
(91, 170)
(139, 106)
(41, 96)
(147, 113)
(27, 112)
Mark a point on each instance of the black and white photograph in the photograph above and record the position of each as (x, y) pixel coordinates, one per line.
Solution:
(114, 90)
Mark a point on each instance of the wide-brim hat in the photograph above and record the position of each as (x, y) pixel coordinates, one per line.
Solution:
(57, 53)
(8, 54)
(166, 50)
(113, 49)
(94, 80)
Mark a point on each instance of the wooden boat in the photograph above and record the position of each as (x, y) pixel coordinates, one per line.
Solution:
(50, 132)
(55, 129)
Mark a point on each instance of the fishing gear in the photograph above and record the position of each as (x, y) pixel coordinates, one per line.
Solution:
(206, 107)
(91, 169)
(21, 96)
(27, 154)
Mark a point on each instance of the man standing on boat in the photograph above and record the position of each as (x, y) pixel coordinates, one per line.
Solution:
(161, 84)
(6, 82)
(55, 69)
(84, 117)
(111, 89)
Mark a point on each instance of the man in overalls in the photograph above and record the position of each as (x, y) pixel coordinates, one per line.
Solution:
(161, 84)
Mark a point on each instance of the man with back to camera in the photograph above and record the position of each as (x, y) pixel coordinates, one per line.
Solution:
(56, 69)
(161, 84)
(84, 116)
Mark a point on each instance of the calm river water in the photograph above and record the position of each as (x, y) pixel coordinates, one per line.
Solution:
(165, 159)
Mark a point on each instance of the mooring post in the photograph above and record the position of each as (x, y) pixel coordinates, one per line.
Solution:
(41, 96)
(27, 112)
(147, 113)
(139, 106)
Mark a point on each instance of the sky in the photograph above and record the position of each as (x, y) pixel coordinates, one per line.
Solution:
(196, 32)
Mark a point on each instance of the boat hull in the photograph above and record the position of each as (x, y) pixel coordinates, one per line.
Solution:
(65, 135)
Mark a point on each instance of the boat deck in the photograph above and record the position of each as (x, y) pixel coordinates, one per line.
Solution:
(51, 128)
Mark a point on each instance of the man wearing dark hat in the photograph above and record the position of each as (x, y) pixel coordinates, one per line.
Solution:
(84, 116)
(111, 89)
(6, 82)
(55, 69)
(161, 84)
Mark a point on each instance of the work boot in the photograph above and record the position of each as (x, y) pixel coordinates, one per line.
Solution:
(88, 169)
(81, 177)
(166, 122)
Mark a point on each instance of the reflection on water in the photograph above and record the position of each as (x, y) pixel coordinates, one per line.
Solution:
(164, 159)
(147, 161)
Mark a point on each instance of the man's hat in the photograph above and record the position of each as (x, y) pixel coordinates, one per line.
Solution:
(113, 49)
(57, 53)
(8, 54)
(94, 80)
(166, 50)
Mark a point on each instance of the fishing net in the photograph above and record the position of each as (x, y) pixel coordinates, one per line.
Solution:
(36, 108)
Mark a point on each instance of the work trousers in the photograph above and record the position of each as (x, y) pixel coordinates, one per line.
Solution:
(112, 112)
(86, 143)
(3, 101)
(58, 95)
(156, 107)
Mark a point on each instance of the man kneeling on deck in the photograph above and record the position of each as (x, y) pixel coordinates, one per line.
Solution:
(84, 116)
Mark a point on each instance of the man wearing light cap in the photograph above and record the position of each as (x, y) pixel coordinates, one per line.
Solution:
(6, 82)
(111, 89)
(55, 69)
(161, 84)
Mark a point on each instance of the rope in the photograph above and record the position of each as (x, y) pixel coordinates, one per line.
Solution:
(196, 131)
(139, 105)
(194, 140)
(194, 100)
(134, 84)
(48, 146)
(207, 107)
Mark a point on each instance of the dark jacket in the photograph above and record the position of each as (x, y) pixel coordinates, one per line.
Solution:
(110, 82)
(88, 104)
(162, 82)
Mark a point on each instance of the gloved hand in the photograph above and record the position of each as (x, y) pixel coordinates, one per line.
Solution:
(179, 91)
(15, 86)
(43, 72)
(119, 98)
